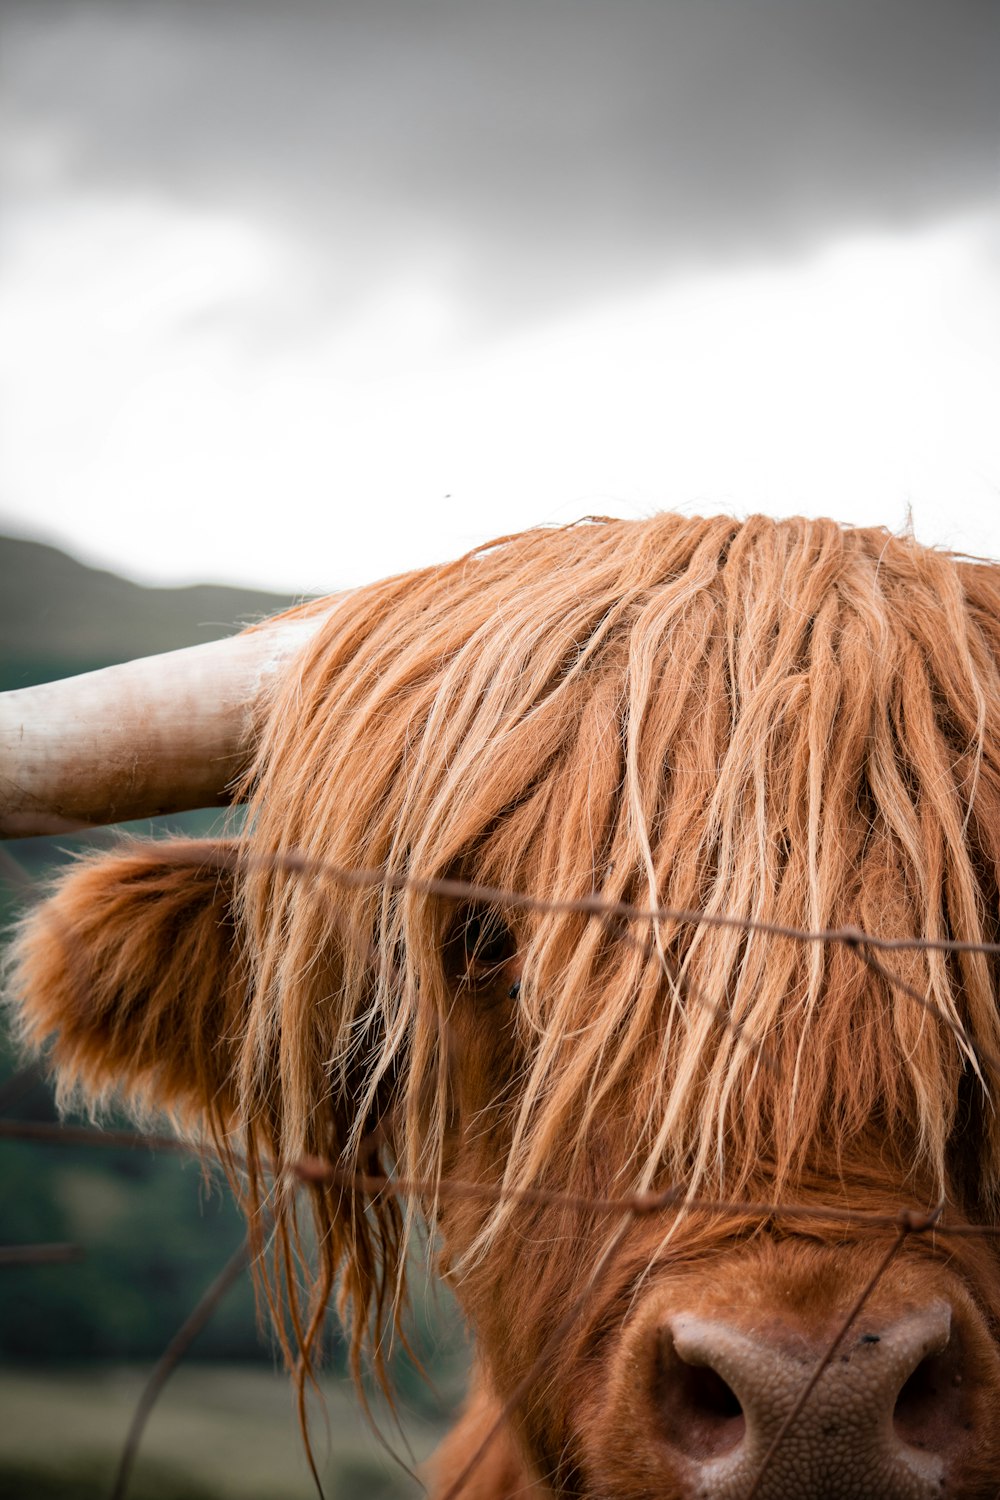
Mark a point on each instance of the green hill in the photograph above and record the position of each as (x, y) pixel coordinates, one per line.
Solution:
(152, 1237)
(147, 1258)
(58, 616)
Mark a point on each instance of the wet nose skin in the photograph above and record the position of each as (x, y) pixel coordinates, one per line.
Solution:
(882, 1423)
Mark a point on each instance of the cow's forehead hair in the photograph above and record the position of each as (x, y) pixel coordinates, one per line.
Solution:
(790, 721)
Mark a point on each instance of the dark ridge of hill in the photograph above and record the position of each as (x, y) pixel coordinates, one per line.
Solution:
(58, 616)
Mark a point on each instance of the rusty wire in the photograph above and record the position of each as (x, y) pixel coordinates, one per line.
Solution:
(50, 1133)
(171, 1357)
(906, 1224)
(909, 1223)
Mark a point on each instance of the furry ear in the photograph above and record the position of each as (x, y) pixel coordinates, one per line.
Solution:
(131, 971)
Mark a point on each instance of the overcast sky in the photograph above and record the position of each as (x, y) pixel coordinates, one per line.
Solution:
(300, 294)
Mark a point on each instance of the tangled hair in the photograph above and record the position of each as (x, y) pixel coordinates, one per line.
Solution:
(790, 722)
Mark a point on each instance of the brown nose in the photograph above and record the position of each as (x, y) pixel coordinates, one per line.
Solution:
(882, 1423)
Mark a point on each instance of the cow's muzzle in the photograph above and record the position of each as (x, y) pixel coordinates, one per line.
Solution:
(792, 1370)
(885, 1418)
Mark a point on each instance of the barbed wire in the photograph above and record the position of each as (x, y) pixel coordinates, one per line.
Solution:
(233, 857)
(869, 950)
(197, 1319)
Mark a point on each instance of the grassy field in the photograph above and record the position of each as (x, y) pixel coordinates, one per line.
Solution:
(219, 1432)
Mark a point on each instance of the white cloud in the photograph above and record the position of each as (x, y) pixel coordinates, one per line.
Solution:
(160, 418)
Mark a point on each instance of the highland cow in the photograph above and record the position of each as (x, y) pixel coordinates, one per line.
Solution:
(531, 841)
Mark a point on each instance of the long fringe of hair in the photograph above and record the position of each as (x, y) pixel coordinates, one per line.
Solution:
(788, 722)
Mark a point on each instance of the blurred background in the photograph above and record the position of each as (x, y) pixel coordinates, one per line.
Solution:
(296, 294)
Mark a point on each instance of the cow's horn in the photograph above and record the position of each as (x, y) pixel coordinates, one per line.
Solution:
(158, 735)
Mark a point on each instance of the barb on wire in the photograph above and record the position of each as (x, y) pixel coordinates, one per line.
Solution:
(171, 1358)
(861, 945)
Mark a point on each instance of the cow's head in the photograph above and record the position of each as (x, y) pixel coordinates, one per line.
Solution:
(781, 726)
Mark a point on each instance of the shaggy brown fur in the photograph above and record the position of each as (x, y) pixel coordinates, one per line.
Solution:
(132, 976)
(786, 721)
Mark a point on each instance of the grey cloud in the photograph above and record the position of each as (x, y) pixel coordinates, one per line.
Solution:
(542, 148)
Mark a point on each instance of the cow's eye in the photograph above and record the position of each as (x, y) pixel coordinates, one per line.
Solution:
(481, 947)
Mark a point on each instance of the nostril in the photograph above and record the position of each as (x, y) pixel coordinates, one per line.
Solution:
(709, 1395)
(918, 1394)
(700, 1412)
(928, 1407)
